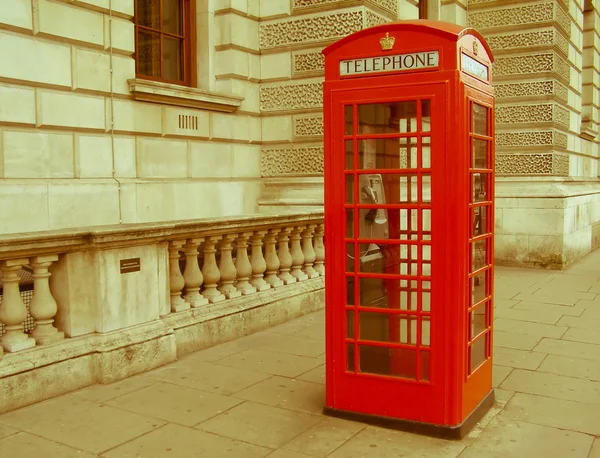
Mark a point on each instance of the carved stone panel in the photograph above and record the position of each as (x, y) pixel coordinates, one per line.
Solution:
(546, 37)
(532, 89)
(307, 62)
(534, 63)
(306, 161)
(299, 5)
(282, 97)
(308, 126)
(542, 112)
(533, 164)
(531, 138)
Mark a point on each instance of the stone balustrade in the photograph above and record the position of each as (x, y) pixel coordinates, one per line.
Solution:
(206, 263)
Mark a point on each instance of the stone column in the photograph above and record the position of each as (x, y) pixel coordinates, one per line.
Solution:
(319, 250)
(211, 271)
(297, 255)
(271, 259)
(227, 268)
(176, 279)
(12, 309)
(43, 307)
(285, 258)
(243, 266)
(309, 251)
(258, 262)
(192, 274)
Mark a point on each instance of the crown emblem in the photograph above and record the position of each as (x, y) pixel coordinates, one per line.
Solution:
(475, 47)
(387, 42)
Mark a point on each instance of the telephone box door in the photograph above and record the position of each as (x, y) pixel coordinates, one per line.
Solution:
(388, 216)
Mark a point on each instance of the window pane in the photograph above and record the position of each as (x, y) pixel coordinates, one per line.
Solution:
(480, 187)
(381, 327)
(387, 117)
(479, 254)
(426, 159)
(172, 54)
(148, 54)
(350, 324)
(349, 257)
(398, 362)
(478, 320)
(172, 17)
(479, 119)
(348, 115)
(480, 160)
(389, 259)
(349, 154)
(425, 370)
(480, 221)
(349, 224)
(425, 115)
(479, 289)
(391, 153)
(350, 290)
(349, 189)
(148, 13)
(350, 356)
(478, 352)
(388, 293)
(425, 332)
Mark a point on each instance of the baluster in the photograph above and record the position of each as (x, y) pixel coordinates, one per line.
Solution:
(319, 250)
(243, 266)
(192, 274)
(285, 258)
(309, 251)
(12, 309)
(271, 259)
(297, 255)
(227, 268)
(43, 307)
(176, 279)
(258, 262)
(211, 271)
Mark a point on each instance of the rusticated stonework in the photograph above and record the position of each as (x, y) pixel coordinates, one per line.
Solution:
(536, 138)
(291, 96)
(372, 19)
(544, 112)
(563, 20)
(561, 116)
(528, 14)
(532, 89)
(536, 63)
(308, 126)
(308, 62)
(389, 5)
(546, 37)
(532, 164)
(560, 139)
(292, 162)
(310, 29)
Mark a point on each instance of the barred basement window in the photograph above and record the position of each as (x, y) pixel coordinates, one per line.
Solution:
(165, 40)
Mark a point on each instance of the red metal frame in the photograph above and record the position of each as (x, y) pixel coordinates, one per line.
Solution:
(444, 389)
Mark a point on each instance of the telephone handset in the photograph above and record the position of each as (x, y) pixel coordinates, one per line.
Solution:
(372, 192)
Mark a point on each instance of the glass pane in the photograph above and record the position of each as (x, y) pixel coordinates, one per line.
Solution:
(425, 366)
(388, 259)
(148, 53)
(480, 187)
(426, 148)
(349, 224)
(373, 223)
(397, 362)
(172, 58)
(349, 122)
(408, 222)
(426, 190)
(478, 320)
(388, 293)
(387, 117)
(425, 116)
(350, 290)
(426, 300)
(350, 324)
(480, 221)
(478, 352)
(148, 13)
(172, 16)
(426, 224)
(479, 287)
(479, 119)
(390, 153)
(425, 331)
(350, 356)
(380, 327)
(350, 257)
(479, 254)
(388, 188)
(349, 154)
(349, 189)
(480, 160)
(408, 151)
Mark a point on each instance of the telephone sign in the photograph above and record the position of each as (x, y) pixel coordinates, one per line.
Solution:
(409, 211)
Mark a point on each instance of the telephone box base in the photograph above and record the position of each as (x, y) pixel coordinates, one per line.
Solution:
(417, 427)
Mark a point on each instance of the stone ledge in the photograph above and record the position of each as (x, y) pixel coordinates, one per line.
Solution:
(173, 94)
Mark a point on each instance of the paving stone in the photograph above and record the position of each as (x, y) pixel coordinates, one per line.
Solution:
(6, 431)
(579, 322)
(504, 303)
(516, 341)
(510, 292)
(555, 386)
(271, 362)
(206, 376)
(287, 393)
(571, 310)
(294, 345)
(379, 442)
(517, 358)
(571, 367)
(103, 393)
(504, 437)
(538, 330)
(25, 445)
(224, 350)
(595, 453)
(582, 335)
(80, 423)
(283, 453)
(176, 404)
(567, 297)
(182, 442)
(260, 424)
(316, 375)
(569, 348)
(503, 396)
(570, 415)
(592, 310)
(549, 317)
(325, 437)
(499, 373)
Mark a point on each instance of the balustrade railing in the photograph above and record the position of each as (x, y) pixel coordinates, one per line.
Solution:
(209, 262)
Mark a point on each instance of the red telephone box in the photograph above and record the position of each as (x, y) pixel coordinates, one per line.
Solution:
(409, 212)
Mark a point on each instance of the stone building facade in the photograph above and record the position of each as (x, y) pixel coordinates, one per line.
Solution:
(85, 143)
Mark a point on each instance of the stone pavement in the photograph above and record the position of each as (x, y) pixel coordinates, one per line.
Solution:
(262, 395)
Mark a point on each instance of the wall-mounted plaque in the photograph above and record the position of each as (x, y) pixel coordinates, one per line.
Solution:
(130, 265)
